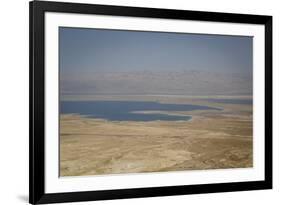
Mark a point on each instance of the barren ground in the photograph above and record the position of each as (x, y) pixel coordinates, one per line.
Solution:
(211, 140)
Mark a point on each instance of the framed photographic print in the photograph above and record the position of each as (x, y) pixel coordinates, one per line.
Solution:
(140, 102)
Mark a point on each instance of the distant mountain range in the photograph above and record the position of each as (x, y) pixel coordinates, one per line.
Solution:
(160, 83)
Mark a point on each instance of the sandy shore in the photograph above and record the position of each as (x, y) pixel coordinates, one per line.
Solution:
(211, 140)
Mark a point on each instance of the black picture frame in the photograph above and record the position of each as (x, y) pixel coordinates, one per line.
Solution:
(37, 193)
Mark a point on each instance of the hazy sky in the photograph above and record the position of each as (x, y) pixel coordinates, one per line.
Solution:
(87, 50)
(89, 56)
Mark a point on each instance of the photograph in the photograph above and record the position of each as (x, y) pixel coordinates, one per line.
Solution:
(133, 102)
(136, 101)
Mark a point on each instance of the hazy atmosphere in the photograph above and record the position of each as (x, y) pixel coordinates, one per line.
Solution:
(94, 61)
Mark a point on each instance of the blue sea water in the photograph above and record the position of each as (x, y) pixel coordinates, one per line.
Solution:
(123, 110)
